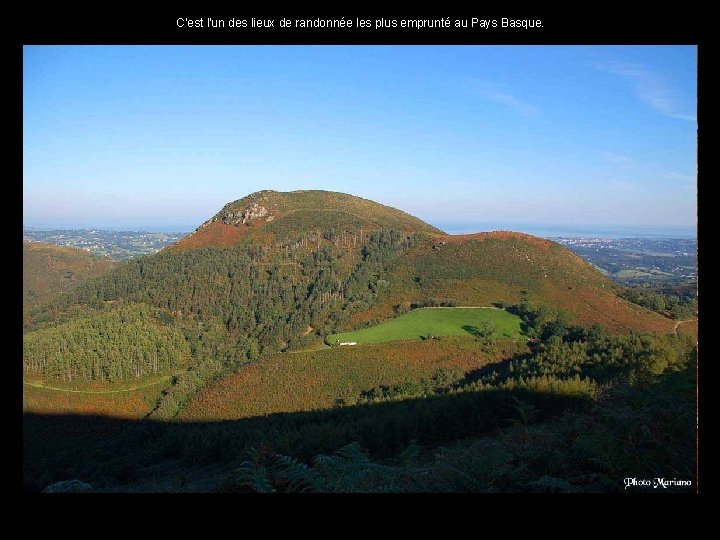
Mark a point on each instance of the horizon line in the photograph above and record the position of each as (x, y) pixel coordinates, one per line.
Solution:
(452, 228)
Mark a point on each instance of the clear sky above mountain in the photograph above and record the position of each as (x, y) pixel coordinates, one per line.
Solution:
(498, 136)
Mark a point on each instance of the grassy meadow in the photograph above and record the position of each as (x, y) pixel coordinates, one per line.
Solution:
(436, 322)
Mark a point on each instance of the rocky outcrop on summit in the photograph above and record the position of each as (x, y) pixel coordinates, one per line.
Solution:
(241, 217)
(253, 212)
(288, 215)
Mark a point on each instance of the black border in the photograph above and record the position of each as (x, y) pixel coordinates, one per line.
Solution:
(580, 25)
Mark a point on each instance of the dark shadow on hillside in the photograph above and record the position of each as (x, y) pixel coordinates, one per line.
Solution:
(517, 311)
(498, 370)
(112, 453)
(472, 330)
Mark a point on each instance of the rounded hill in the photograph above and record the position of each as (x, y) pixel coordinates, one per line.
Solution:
(276, 216)
(509, 267)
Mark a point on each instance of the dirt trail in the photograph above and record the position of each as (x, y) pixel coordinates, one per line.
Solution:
(458, 307)
(678, 323)
(322, 348)
(132, 389)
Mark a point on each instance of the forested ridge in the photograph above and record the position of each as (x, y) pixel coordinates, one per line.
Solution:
(231, 305)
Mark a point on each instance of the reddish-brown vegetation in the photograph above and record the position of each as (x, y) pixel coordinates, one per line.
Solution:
(212, 234)
(330, 377)
(500, 235)
(133, 404)
(591, 305)
(49, 270)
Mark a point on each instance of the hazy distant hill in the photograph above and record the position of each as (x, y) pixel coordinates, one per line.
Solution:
(49, 270)
(117, 245)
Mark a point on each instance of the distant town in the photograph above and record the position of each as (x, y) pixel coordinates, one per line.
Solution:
(118, 245)
(638, 260)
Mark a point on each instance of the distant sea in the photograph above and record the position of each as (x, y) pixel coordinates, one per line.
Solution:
(557, 231)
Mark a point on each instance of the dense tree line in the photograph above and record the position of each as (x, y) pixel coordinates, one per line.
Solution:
(232, 305)
(564, 349)
(406, 307)
(269, 294)
(120, 344)
(677, 306)
(603, 358)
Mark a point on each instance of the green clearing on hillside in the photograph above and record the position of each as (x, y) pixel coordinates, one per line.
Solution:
(434, 321)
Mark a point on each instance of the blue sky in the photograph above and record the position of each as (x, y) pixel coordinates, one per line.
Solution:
(465, 137)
